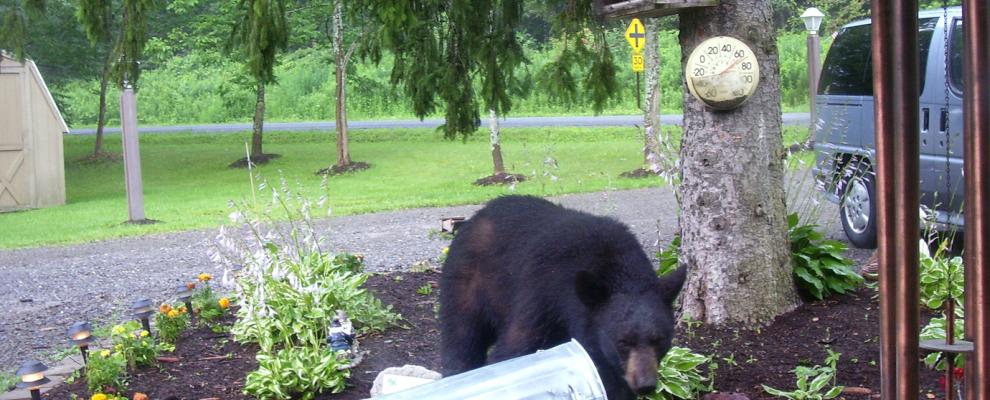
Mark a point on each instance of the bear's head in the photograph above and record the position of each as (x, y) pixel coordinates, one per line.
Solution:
(631, 324)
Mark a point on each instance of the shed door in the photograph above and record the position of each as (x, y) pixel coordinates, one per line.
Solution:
(14, 179)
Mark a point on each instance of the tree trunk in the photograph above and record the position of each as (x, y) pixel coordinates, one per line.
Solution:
(651, 118)
(340, 60)
(101, 119)
(259, 123)
(496, 147)
(733, 221)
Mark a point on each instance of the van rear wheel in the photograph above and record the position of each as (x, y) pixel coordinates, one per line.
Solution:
(858, 210)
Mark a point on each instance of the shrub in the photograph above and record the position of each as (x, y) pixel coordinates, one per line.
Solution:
(105, 370)
(678, 375)
(820, 268)
(205, 301)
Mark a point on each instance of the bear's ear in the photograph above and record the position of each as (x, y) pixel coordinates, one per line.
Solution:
(670, 284)
(591, 289)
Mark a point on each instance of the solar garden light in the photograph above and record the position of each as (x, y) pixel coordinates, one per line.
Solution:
(184, 294)
(142, 309)
(81, 334)
(32, 375)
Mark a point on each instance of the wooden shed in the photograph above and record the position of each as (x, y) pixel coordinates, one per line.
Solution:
(32, 171)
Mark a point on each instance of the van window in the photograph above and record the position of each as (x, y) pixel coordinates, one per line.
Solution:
(956, 57)
(848, 68)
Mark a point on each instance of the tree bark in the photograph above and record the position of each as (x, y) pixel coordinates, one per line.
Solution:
(733, 221)
(259, 124)
(101, 119)
(499, 165)
(651, 118)
(340, 61)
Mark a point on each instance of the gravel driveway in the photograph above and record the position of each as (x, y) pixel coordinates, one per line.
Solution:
(44, 290)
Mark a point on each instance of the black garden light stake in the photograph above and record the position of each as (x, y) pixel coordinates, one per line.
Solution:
(184, 294)
(142, 309)
(81, 334)
(32, 375)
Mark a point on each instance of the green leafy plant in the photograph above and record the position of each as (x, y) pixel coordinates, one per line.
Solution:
(7, 381)
(205, 302)
(668, 256)
(288, 289)
(171, 321)
(936, 330)
(820, 268)
(135, 344)
(941, 277)
(106, 370)
(302, 371)
(425, 290)
(678, 375)
(812, 384)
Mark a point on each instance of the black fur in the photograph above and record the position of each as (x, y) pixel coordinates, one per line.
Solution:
(525, 274)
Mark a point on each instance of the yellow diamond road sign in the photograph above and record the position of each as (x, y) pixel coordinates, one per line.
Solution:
(636, 35)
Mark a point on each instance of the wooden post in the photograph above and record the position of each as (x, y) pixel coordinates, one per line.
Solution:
(132, 156)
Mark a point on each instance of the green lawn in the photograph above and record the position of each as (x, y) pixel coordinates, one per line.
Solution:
(188, 185)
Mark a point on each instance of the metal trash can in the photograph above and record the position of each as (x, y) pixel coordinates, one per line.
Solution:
(563, 372)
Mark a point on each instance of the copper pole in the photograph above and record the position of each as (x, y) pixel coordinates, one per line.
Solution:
(906, 106)
(884, 168)
(976, 157)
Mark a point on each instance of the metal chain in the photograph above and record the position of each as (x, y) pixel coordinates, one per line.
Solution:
(947, 114)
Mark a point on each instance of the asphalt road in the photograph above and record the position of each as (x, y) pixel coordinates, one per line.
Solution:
(514, 122)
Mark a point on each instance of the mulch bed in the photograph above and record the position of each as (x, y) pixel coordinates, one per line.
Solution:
(503, 178)
(638, 173)
(255, 160)
(747, 358)
(335, 170)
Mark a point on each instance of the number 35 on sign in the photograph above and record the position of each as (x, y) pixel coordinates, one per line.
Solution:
(637, 62)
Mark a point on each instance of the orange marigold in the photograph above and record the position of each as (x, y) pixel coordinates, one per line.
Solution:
(140, 396)
(224, 302)
(164, 308)
(191, 285)
(183, 310)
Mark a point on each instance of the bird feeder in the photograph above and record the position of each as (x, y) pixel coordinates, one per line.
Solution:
(616, 9)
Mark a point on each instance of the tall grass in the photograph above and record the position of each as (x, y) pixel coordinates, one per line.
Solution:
(206, 88)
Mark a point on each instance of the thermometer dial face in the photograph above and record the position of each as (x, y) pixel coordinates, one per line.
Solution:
(722, 72)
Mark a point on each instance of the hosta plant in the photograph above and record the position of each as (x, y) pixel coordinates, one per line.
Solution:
(297, 373)
(679, 377)
(813, 383)
(820, 268)
(941, 277)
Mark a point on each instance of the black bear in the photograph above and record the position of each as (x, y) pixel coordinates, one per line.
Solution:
(524, 274)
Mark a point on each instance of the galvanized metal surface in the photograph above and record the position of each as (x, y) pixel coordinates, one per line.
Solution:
(976, 165)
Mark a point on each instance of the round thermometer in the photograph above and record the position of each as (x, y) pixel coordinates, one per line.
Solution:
(722, 72)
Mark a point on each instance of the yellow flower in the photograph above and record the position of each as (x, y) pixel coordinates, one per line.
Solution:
(183, 310)
(224, 303)
(446, 250)
(204, 277)
(144, 333)
(172, 313)
(105, 353)
(118, 347)
(98, 396)
(118, 330)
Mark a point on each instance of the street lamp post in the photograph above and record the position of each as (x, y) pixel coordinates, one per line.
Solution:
(812, 18)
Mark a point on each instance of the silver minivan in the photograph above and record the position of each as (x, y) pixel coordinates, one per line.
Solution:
(844, 133)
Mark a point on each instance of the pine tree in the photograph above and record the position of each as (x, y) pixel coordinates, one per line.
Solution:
(14, 18)
(260, 32)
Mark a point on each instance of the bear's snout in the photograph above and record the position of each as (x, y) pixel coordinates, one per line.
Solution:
(641, 371)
